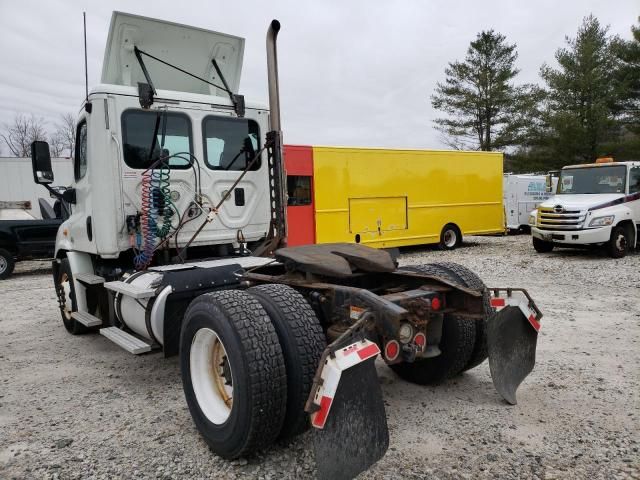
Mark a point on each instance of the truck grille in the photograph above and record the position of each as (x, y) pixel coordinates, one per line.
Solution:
(566, 220)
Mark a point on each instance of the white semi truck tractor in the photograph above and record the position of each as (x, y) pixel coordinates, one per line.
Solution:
(596, 204)
(176, 243)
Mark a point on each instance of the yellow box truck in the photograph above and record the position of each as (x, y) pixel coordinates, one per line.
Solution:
(391, 198)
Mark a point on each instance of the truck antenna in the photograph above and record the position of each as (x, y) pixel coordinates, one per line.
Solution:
(87, 105)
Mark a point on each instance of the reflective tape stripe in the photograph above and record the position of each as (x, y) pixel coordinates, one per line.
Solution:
(534, 322)
(498, 302)
(320, 417)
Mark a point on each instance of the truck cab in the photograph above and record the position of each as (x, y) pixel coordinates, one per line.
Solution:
(596, 204)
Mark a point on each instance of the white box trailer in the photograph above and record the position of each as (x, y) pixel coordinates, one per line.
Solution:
(16, 181)
(522, 194)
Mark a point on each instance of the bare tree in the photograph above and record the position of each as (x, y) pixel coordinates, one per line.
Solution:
(64, 137)
(24, 130)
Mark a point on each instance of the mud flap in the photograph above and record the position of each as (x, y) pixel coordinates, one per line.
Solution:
(511, 340)
(351, 432)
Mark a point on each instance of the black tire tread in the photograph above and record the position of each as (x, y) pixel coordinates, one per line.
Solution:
(73, 327)
(469, 279)
(423, 371)
(308, 343)
(264, 362)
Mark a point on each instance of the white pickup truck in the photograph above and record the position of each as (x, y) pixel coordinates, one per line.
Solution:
(596, 204)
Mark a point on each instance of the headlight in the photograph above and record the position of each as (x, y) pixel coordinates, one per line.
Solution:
(532, 219)
(405, 333)
(602, 221)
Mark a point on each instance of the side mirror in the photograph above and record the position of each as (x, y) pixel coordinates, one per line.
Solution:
(41, 163)
(548, 184)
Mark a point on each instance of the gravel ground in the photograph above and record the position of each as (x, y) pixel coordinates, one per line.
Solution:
(80, 407)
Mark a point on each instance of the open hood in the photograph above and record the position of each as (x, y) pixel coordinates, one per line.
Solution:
(186, 47)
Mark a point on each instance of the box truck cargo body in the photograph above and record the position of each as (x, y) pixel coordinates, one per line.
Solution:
(522, 194)
(388, 198)
(16, 182)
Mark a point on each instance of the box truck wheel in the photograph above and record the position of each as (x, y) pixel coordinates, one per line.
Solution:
(450, 237)
(7, 264)
(542, 246)
(618, 245)
(233, 372)
(469, 279)
(66, 293)
(302, 341)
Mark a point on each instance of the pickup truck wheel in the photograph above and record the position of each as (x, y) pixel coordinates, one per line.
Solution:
(302, 341)
(618, 245)
(66, 292)
(450, 237)
(456, 344)
(7, 264)
(542, 246)
(233, 372)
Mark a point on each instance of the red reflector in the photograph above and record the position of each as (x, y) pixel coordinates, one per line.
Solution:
(368, 352)
(420, 339)
(392, 350)
(435, 303)
(498, 302)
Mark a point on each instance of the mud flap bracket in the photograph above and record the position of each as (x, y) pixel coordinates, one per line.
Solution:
(347, 412)
(512, 336)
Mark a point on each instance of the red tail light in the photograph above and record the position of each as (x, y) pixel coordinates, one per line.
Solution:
(436, 304)
(391, 350)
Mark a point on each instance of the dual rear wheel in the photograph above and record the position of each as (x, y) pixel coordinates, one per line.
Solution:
(248, 359)
(463, 344)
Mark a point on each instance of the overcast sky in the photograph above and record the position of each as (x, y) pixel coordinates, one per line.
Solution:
(351, 72)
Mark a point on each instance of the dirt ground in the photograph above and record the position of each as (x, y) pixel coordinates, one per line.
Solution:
(80, 407)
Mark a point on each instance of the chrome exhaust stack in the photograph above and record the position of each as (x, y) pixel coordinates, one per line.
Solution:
(274, 142)
(272, 75)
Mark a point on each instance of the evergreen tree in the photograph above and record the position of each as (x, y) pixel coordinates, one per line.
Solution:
(585, 97)
(482, 105)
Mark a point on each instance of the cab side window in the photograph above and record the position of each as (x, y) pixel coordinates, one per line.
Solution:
(80, 160)
(634, 180)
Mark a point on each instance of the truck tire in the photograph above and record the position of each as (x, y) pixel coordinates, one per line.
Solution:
(66, 292)
(618, 245)
(542, 246)
(233, 372)
(457, 343)
(469, 279)
(450, 237)
(7, 263)
(302, 341)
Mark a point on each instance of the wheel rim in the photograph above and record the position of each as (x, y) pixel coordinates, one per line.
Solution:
(621, 243)
(211, 376)
(450, 238)
(3, 265)
(65, 301)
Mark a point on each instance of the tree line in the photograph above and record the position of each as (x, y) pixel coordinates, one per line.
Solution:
(18, 135)
(588, 106)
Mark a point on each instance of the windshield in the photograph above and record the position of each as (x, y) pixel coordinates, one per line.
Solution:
(610, 179)
(230, 143)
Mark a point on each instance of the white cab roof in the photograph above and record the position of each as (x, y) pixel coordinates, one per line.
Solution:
(186, 47)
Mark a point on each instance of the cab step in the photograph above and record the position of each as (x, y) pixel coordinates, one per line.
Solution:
(89, 279)
(125, 340)
(130, 290)
(86, 319)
